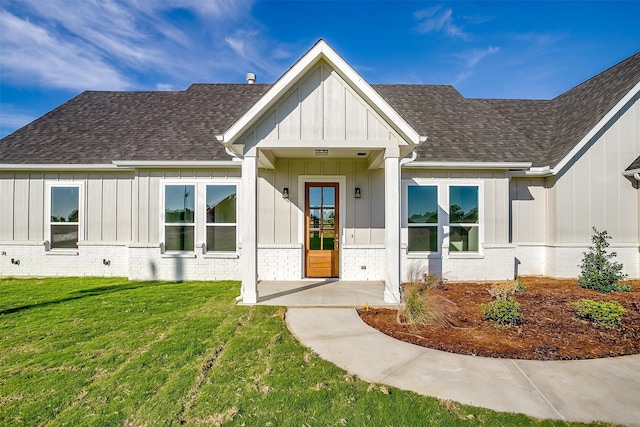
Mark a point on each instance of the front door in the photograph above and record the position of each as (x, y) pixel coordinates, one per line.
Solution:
(321, 229)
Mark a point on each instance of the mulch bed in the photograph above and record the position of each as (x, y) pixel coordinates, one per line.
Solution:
(550, 329)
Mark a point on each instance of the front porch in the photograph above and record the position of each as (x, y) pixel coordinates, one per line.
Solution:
(322, 293)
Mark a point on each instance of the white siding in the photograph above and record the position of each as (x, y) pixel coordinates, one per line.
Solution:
(107, 205)
(322, 106)
(592, 192)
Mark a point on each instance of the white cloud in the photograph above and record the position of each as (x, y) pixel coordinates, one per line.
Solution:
(438, 20)
(117, 44)
(473, 56)
(31, 53)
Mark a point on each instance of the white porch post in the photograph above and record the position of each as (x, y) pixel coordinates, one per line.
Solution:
(248, 215)
(392, 226)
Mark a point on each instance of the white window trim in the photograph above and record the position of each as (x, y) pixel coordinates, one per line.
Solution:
(444, 225)
(200, 218)
(480, 225)
(81, 208)
(405, 219)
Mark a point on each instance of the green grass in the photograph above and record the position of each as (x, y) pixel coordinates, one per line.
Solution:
(109, 352)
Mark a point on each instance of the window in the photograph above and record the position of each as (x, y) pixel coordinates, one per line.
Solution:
(422, 218)
(64, 220)
(463, 218)
(221, 218)
(200, 212)
(179, 217)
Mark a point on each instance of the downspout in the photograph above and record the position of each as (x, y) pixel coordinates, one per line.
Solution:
(406, 160)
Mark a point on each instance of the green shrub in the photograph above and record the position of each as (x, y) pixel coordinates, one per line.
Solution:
(505, 311)
(607, 314)
(598, 270)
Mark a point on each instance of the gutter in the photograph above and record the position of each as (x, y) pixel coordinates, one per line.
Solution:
(473, 165)
(635, 173)
(57, 167)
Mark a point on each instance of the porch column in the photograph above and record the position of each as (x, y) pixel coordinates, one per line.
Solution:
(248, 218)
(392, 226)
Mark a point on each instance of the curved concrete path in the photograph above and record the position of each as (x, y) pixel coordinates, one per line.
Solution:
(587, 390)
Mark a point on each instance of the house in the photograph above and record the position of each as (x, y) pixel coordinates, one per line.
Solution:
(322, 174)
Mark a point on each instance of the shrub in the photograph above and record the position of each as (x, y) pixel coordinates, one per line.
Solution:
(607, 314)
(598, 270)
(505, 311)
(420, 307)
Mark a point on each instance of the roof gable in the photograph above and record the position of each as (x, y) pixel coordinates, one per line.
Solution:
(321, 54)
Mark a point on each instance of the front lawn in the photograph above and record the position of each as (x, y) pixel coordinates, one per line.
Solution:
(110, 352)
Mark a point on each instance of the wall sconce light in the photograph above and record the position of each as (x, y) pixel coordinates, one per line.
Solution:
(15, 261)
(358, 193)
(285, 193)
(106, 262)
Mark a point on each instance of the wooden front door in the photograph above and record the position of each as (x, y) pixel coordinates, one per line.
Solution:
(322, 229)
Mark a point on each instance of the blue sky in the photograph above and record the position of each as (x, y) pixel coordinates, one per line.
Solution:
(51, 50)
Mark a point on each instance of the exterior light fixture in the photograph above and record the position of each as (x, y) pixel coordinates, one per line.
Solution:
(358, 193)
(322, 152)
(285, 193)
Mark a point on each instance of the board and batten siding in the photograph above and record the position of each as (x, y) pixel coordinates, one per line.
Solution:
(592, 191)
(362, 220)
(322, 106)
(529, 210)
(107, 205)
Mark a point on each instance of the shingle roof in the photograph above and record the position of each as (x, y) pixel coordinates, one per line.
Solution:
(100, 127)
(635, 165)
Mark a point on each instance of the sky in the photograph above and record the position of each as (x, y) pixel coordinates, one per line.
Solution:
(52, 50)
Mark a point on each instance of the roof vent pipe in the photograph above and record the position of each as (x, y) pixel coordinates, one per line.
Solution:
(251, 78)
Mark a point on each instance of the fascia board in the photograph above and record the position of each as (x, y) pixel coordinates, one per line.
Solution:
(320, 51)
(566, 159)
(470, 165)
(190, 164)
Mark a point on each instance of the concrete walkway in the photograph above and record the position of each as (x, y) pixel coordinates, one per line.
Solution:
(588, 390)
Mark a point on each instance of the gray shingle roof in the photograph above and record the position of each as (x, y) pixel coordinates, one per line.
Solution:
(100, 127)
(635, 165)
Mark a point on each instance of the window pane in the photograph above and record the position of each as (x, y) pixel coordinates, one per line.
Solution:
(463, 239)
(221, 239)
(178, 238)
(315, 197)
(423, 204)
(328, 217)
(179, 202)
(64, 236)
(463, 203)
(423, 239)
(64, 204)
(221, 204)
(314, 240)
(328, 239)
(328, 197)
(314, 218)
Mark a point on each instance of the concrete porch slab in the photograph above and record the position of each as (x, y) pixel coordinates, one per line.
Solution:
(322, 293)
